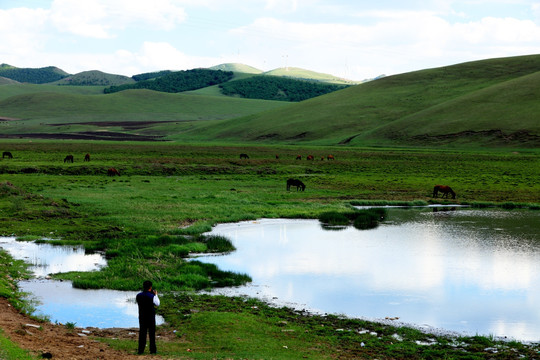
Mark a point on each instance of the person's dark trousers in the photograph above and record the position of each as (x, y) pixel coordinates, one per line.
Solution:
(147, 326)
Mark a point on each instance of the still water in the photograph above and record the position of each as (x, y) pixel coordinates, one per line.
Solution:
(468, 271)
(62, 303)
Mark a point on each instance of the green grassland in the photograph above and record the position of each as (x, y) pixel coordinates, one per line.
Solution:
(298, 73)
(170, 192)
(72, 113)
(483, 103)
(94, 78)
(409, 109)
(151, 217)
(237, 68)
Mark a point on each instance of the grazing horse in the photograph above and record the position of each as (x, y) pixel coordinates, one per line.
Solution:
(7, 154)
(294, 182)
(299, 157)
(277, 157)
(244, 156)
(310, 157)
(445, 190)
(87, 157)
(68, 159)
(112, 172)
(330, 157)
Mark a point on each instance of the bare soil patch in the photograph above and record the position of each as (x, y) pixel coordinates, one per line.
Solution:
(126, 125)
(87, 135)
(43, 338)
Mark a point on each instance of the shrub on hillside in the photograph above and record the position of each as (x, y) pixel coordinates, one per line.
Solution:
(277, 88)
(178, 81)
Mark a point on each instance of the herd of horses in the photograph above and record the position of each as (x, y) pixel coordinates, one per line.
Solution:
(298, 157)
(69, 159)
(445, 190)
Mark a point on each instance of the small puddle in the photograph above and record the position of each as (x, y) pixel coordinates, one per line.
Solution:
(59, 300)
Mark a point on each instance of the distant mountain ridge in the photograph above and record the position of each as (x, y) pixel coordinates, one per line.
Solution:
(95, 78)
(52, 74)
(493, 102)
(487, 102)
(30, 75)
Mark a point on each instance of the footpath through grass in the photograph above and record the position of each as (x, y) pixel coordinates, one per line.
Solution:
(152, 216)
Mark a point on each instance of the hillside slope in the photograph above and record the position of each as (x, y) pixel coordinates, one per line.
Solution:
(130, 114)
(410, 109)
(95, 78)
(32, 75)
(299, 73)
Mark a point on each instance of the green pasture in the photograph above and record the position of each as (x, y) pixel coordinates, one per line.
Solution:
(165, 187)
(460, 105)
(152, 216)
(489, 103)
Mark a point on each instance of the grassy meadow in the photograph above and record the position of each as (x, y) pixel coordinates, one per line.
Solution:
(152, 216)
(460, 105)
(491, 103)
(472, 126)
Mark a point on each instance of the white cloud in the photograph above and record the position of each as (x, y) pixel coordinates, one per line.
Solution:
(392, 42)
(100, 18)
(21, 30)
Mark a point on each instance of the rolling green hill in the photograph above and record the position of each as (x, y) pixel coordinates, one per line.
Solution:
(130, 114)
(484, 102)
(31, 75)
(95, 78)
(303, 74)
(237, 68)
(276, 88)
(4, 81)
(492, 102)
(178, 81)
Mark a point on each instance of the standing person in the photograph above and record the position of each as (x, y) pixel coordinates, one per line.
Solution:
(147, 301)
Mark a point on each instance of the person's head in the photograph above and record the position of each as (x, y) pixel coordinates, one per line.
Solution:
(147, 285)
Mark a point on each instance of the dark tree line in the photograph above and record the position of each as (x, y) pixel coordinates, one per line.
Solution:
(178, 81)
(150, 75)
(277, 88)
(32, 76)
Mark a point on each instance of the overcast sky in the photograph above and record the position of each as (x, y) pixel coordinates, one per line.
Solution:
(355, 39)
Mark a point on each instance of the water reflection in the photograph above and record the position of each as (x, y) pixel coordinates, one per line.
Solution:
(62, 303)
(48, 259)
(474, 271)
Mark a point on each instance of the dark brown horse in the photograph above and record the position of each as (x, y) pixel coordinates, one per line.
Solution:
(112, 172)
(68, 159)
(294, 182)
(244, 156)
(445, 190)
(310, 157)
(7, 154)
(87, 157)
(298, 157)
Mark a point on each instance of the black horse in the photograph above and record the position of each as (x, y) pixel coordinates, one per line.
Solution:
(244, 156)
(294, 182)
(7, 154)
(87, 157)
(68, 159)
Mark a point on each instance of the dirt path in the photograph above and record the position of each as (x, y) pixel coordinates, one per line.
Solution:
(62, 343)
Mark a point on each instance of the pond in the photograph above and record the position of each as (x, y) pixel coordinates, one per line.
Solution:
(62, 303)
(463, 270)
